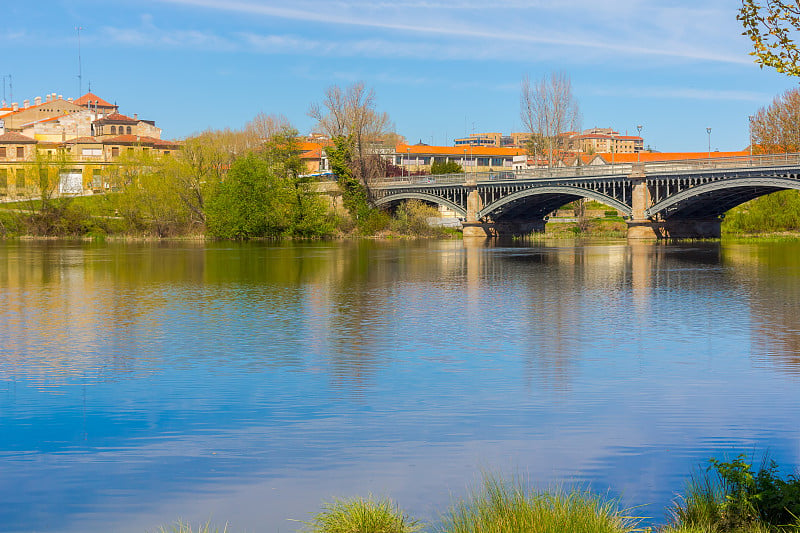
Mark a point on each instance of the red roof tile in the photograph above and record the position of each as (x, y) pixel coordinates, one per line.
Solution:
(116, 118)
(12, 137)
(92, 98)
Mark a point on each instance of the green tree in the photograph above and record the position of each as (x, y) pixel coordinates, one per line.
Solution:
(771, 25)
(147, 198)
(446, 167)
(264, 195)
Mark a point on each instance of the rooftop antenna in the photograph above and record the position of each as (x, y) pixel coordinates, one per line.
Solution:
(80, 71)
(10, 89)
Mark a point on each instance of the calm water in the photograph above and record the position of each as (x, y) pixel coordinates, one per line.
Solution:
(144, 383)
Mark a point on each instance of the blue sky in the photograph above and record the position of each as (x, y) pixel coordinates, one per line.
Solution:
(440, 69)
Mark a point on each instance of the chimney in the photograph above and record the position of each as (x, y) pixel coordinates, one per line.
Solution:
(37, 100)
(136, 116)
(14, 106)
(26, 103)
(52, 96)
(60, 96)
(47, 98)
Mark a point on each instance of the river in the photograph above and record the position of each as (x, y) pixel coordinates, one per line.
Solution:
(141, 383)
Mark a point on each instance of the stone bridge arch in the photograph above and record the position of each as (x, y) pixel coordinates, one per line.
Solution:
(551, 197)
(426, 197)
(715, 198)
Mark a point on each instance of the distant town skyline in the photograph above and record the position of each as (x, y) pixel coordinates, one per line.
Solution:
(441, 70)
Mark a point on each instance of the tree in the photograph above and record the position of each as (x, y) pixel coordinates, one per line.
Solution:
(548, 109)
(203, 161)
(776, 129)
(350, 115)
(263, 195)
(358, 133)
(771, 26)
(148, 198)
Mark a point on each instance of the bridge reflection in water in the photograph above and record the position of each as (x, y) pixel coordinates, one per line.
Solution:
(674, 199)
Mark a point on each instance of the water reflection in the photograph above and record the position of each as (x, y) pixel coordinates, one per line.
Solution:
(143, 382)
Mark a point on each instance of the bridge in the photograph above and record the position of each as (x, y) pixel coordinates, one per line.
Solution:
(671, 199)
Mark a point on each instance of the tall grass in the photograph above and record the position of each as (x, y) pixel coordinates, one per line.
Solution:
(183, 527)
(507, 507)
(362, 515)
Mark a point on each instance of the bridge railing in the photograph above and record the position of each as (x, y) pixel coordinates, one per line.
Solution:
(595, 171)
(504, 175)
(760, 161)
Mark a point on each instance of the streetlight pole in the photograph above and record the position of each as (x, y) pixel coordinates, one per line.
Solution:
(639, 151)
(751, 138)
(408, 159)
(708, 130)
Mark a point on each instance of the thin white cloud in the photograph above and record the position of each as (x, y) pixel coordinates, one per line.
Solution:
(682, 93)
(672, 48)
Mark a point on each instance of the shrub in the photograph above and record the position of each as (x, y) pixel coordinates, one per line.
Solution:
(359, 515)
(729, 496)
(411, 218)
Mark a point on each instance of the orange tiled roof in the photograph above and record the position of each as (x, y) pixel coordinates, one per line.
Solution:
(92, 98)
(163, 143)
(669, 156)
(117, 119)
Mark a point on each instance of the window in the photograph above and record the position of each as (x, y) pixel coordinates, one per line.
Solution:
(20, 178)
(483, 161)
(2, 151)
(20, 152)
(113, 130)
(91, 152)
(127, 130)
(3, 178)
(497, 161)
(114, 151)
(97, 179)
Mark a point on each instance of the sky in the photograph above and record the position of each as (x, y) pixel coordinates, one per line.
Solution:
(440, 69)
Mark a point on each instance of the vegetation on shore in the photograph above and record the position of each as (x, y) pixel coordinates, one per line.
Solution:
(727, 497)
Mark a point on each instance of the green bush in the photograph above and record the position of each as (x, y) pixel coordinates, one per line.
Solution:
(729, 496)
(448, 167)
(411, 218)
(359, 515)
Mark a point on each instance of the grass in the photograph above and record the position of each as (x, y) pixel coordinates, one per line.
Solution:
(362, 515)
(182, 527)
(507, 507)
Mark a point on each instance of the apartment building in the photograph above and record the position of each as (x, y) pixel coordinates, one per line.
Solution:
(80, 139)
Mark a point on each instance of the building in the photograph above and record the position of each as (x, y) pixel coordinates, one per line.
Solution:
(81, 140)
(606, 140)
(420, 157)
(498, 140)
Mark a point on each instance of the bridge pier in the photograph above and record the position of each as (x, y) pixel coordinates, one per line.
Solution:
(502, 229)
(675, 229)
(642, 227)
